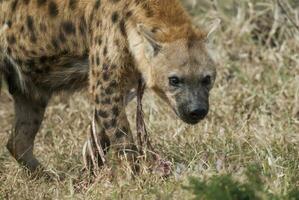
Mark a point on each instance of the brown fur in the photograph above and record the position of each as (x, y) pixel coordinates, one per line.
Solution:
(53, 45)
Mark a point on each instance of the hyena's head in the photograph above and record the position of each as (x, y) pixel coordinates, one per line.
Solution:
(180, 71)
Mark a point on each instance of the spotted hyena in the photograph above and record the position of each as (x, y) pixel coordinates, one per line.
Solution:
(48, 46)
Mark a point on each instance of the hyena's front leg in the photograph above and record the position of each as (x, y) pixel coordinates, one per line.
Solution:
(108, 93)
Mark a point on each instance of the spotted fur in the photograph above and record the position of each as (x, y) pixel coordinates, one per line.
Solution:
(108, 45)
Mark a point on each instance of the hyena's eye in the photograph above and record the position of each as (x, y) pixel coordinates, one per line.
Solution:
(174, 81)
(206, 81)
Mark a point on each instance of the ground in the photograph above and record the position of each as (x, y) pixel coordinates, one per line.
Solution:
(251, 121)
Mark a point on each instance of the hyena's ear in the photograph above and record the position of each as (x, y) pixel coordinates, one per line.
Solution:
(152, 46)
(214, 25)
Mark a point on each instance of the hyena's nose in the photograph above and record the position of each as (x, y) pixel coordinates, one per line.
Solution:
(198, 113)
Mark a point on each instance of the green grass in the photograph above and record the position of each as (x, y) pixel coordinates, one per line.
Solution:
(226, 187)
(250, 122)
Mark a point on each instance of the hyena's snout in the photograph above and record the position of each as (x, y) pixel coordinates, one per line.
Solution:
(198, 113)
(194, 109)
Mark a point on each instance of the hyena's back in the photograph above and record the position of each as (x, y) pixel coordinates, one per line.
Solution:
(44, 28)
(42, 46)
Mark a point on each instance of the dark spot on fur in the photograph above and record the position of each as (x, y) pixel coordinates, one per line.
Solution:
(73, 4)
(113, 84)
(154, 29)
(105, 66)
(93, 88)
(106, 76)
(116, 42)
(32, 52)
(107, 125)
(115, 111)
(106, 101)
(125, 129)
(41, 2)
(109, 90)
(105, 51)
(85, 54)
(113, 122)
(8, 22)
(148, 10)
(8, 51)
(53, 9)
(97, 99)
(26, 2)
(14, 5)
(149, 13)
(120, 134)
(30, 23)
(114, 17)
(22, 29)
(137, 2)
(191, 40)
(99, 41)
(129, 14)
(55, 43)
(102, 113)
(114, 1)
(98, 60)
(30, 63)
(117, 99)
(11, 39)
(105, 142)
(97, 4)
(20, 62)
(32, 38)
(68, 27)
(122, 27)
(42, 59)
(22, 48)
(93, 72)
(92, 59)
(110, 124)
(82, 26)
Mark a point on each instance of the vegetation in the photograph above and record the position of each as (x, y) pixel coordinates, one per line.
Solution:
(254, 120)
(226, 188)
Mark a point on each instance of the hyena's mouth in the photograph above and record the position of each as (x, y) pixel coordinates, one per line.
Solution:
(184, 118)
(191, 121)
(189, 118)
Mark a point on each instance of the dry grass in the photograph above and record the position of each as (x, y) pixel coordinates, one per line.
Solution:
(250, 122)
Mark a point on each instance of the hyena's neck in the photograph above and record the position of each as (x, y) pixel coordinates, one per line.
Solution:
(167, 15)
